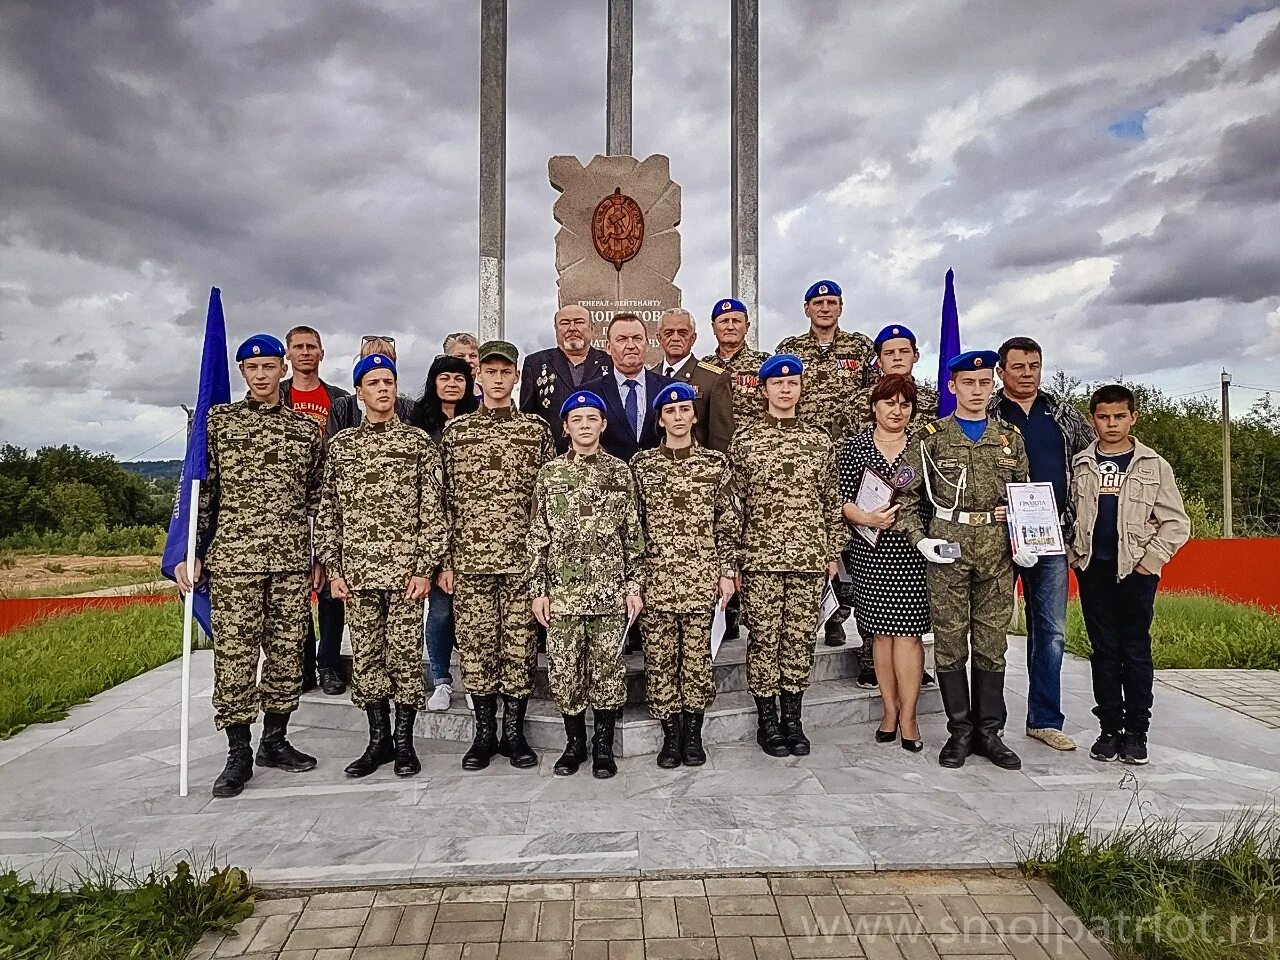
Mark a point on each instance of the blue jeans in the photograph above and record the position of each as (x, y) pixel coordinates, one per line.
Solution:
(440, 634)
(1044, 588)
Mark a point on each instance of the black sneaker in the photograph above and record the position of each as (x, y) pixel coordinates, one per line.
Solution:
(1106, 748)
(833, 634)
(926, 679)
(331, 682)
(1133, 748)
(867, 678)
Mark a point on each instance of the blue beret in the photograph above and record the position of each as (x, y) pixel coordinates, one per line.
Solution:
(973, 360)
(673, 393)
(823, 288)
(374, 361)
(728, 305)
(583, 399)
(894, 332)
(260, 345)
(781, 365)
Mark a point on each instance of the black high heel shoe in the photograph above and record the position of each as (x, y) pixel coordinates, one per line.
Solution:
(912, 746)
(887, 736)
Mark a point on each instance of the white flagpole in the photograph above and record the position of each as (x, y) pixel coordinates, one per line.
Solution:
(193, 512)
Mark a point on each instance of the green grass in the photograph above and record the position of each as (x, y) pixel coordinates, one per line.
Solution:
(48, 667)
(110, 914)
(1193, 631)
(92, 581)
(1156, 890)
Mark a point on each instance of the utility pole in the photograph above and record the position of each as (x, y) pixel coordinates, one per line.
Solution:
(618, 71)
(1226, 455)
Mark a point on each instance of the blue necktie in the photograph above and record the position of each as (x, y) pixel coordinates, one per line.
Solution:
(632, 408)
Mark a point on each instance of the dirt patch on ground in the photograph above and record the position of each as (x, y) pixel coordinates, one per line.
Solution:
(48, 574)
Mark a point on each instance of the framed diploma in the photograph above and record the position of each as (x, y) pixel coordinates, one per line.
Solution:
(874, 492)
(1034, 519)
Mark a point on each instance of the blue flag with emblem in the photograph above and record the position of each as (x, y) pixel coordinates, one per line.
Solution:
(948, 345)
(215, 387)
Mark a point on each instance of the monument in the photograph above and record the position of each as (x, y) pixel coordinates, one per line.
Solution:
(618, 246)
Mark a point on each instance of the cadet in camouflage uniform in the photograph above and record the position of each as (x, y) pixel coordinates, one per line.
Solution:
(785, 472)
(585, 546)
(692, 520)
(381, 535)
(961, 464)
(254, 543)
(491, 460)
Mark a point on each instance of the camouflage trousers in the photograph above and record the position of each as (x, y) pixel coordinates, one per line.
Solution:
(971, 600)
(677, 662)
(782, 614)
(496, 640)
(584, 665)
(386, 648)
(252, 613)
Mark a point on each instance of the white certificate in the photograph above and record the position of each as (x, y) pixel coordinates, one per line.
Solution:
(874, 494)
(1034, 520)
(828, 605)
(717, 629)
(622, 640)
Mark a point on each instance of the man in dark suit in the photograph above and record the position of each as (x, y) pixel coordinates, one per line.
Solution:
(628, 390)
(714, 403)
(549, 376)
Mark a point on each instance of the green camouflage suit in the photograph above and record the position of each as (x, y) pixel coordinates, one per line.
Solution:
(972, 597)
(831, 377)
(692, 520)
(585, 546)
(381, 522)
(743, 369)
(254, 540)
(785, 472)
(491, 460)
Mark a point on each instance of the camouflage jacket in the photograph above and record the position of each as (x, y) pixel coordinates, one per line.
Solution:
(744, 380)
(785, 472)
(692, 520)
(381, 517)
(998, 458)
(859, 417)
(831, 377)
(491, 460)
(266, 463)
(585, 542)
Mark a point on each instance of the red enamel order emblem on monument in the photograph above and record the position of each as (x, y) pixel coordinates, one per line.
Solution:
(617, 228)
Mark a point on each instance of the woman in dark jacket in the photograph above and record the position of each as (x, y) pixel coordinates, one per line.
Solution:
(449, 392)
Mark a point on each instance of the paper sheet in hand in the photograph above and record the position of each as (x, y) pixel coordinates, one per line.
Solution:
(1033, 519)
(717, 630)
(874, 493)
(826, 607)
(622, 640)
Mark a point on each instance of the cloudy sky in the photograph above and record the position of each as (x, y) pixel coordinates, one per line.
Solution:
(1102, 175)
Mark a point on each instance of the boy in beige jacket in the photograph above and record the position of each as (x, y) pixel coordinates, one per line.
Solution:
(1129, 523)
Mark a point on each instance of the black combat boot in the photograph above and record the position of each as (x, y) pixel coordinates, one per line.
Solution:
(989, 715)
(485, 744)
(575, 748)
(669, 755)
(274, 750)
(513, 745)
(603, 765)
(768, 735)
(239, 768)
(792, 728)
(407, 762)
(954, 686)
(693, 753)
(379, 750)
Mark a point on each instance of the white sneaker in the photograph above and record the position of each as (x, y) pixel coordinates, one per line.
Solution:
(441, 697)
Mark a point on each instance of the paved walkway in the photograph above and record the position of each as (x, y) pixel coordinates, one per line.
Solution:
(104, 782)
(1254, 693)
(879, 917)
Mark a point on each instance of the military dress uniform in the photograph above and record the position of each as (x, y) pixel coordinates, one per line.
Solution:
(712, 401)
(692, 520)
(265, 464)
(585, 546)
(381, 522)
(784, 470)
(491, 460)
(971, 600)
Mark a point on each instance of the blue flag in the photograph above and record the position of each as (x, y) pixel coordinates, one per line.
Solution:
(948, 345)
(215, 387)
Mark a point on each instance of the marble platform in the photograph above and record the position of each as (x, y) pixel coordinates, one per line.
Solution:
(103, 783)
(834, 700)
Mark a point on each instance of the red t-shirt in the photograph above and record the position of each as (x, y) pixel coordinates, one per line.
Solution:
(314, 403)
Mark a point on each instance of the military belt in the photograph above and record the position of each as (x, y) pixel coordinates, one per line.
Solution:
(964, 518)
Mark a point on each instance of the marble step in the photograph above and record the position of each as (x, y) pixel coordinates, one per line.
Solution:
(732, 718)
